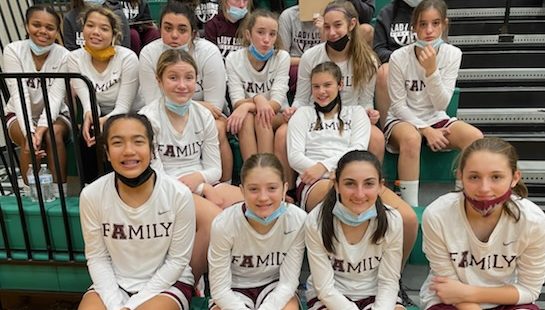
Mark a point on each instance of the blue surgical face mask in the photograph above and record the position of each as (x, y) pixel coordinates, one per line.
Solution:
(95, 2)
(39, 50)
(237, 13)
(345, 216)
(435, 43)
(257, 55)
(269, 219)
(180, 109)
(184, 47)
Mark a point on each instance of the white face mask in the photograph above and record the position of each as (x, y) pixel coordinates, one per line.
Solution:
(412, 3)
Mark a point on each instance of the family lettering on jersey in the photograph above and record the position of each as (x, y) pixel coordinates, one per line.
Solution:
(402, 34)
(37, 83)
(102, 87)
(170, 150)
(131, 232)
(414, 85)
(492, 261)
(305, 40)
(257, 88)
(330, 126)
(228, 44)
(80, 41)
(205, 11)
(366, 264)
(256, 261)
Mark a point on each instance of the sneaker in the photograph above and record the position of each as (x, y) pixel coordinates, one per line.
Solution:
(405, 299)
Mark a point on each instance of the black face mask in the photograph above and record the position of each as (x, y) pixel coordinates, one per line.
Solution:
(340, 44)
(330, 106)
(139, 180)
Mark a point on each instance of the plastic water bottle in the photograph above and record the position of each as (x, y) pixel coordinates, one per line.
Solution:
(32, 190)
(46, 182)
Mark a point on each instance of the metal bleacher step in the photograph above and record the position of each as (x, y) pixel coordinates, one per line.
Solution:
(460, 4)
(502, 97)
(527, 144)
(488, 77)
(503, 59)
(478, 27)
(467, 41)
(495, 13)
(510, 116)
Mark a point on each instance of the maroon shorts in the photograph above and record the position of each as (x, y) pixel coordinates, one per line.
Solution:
(517, 307)
(315, 304)
(252, 296)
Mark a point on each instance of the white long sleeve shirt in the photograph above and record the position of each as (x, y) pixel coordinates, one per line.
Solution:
(355, 271)
(307, 147)
(18, 59)
(211, 78)
(246, 82)
(142, 250)
(297, 36)
(194, 149)
(116, 87)
(240, 257)
(349, 95)
(513, 255)
(415, 98)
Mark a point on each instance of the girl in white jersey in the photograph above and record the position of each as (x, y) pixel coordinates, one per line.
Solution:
(354, 241)
(186, 145)
(484, 243)
(178, 27)
(420, 85)
(258, 83)
(113, 71)
(138, 227)
(257, 247)
(318, 136)
(39, 53)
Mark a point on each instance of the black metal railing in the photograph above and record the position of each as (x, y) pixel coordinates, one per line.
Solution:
(12, 154)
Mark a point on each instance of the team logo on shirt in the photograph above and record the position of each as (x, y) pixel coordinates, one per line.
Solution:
(366, 264)
(169, 150)
(37, 83)
(305, 40)
(330, 126)
(102, 87)
(256, 261)
(205, 11)
(80, 41)
(402, 34)
(465, 259)
(257, 88)
(414, 85)
(131, 232)
(129, 10)
(228, 44)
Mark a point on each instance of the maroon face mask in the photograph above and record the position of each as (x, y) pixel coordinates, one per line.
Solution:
(485, 207)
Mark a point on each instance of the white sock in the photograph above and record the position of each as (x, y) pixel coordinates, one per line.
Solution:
(409, 192)
(458, 185)
(228, 182)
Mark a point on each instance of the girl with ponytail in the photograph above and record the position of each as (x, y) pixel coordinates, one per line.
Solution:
(484, 243)
(354, 241)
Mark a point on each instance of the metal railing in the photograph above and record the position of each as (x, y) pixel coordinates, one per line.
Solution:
(12, 154)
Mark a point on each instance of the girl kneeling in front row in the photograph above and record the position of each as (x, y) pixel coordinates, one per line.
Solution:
(256, 247)
(354, 242)
(485, 243)
(138, 227)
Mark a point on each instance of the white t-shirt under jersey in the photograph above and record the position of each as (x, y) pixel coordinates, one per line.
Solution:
(144, 249)
(307, 147)
(18, 59)
(194, 149)
(240, 257)
(349, 95)
(116, 87)
(415, 98)
(355, 271)
(513, 255)
(210, 76)
(246, 82)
